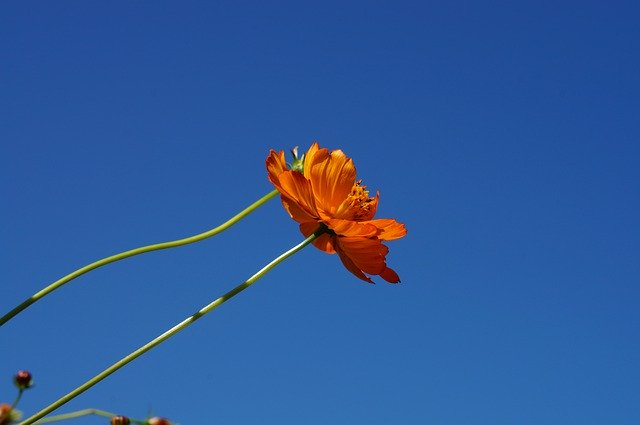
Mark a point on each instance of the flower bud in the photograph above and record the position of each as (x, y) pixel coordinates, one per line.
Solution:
(298, 161)
(23, 379)
(8, 415)
(120, 420)
(158, 421)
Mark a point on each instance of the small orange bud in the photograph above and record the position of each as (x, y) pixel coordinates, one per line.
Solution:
(158, 421)
(5, 411)
(120, 420)
(23, 379)
(8, 415)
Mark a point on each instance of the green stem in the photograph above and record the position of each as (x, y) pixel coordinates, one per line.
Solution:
(17, 400)
(174, 330)
(80, 413)
(136, 251)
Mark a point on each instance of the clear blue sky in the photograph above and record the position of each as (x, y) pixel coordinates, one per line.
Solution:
(504, 134)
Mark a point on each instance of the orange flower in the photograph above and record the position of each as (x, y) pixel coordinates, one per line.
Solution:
(8, 415)
(322, 189)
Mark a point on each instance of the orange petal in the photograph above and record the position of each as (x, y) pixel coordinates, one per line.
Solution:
(351, 266)
(323, 242)
(296, 211)
(390, 276)
(332, 179)
(351, 228)
(367, 254)
(313, 155)
(276, 165)
(388, 228)
(297, 190)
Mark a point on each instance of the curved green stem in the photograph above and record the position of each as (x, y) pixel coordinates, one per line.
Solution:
(174, 330)
(136, 251)
(80, 413)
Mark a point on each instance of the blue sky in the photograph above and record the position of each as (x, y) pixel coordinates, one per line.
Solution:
(504, 134)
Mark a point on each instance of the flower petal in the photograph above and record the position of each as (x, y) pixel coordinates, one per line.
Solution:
(296, 192)
(390, 275)
(367, 254)
(332, 179)
(388, 228)
(296, 211)
(313, 155)
(323, 242)
(276, 165)
(352, 228)
(351, 266)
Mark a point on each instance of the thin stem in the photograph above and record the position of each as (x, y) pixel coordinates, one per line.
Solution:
(174, 330)
(136, 251)
(17, 400)
(80, 413)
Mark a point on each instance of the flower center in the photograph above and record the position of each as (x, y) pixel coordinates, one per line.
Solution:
(359, 202)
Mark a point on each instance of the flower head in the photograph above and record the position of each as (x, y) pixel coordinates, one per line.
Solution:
(23, 379)
(119, 420)
(326, 192)
(8, 415)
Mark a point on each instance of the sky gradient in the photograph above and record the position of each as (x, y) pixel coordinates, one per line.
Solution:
(505, 135)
